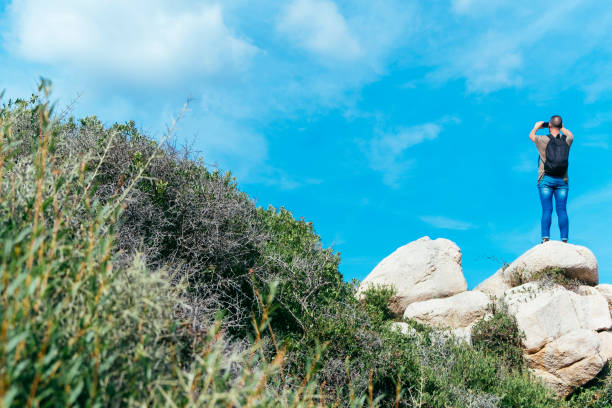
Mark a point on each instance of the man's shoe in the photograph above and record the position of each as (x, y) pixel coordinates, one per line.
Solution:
(544, 240)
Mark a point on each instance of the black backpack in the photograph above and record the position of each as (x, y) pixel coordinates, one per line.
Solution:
(557, 155)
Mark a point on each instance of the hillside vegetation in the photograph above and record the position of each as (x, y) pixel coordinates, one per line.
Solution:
(132, 275)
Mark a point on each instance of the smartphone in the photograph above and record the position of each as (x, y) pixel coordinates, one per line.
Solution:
(544, 125)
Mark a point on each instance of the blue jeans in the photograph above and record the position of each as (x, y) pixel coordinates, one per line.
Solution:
(548, 187)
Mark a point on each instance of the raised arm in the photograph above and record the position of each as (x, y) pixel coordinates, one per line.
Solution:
(532, 135)
(569, 135)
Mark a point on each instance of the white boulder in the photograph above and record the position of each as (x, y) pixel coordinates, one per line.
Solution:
(495, 285)
(592, 311)
(569, 361)
(542, 315)
(606, 290)
(605, 341)
(421, 270)
(576, 261)
(547, 313)
(457, 311)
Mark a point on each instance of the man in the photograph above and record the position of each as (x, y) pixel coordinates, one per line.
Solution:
(552, 172)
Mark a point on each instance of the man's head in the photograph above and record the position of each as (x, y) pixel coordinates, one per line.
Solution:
(556, 122)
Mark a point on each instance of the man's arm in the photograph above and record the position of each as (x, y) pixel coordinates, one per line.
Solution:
(569, 135)
(532, 135)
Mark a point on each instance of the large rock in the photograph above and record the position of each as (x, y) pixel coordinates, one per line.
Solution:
(605, 341)
(543, 315)
(547, 313)
(457, 311)
(562, 344)
(592, 311)
(585, 290)
(569, 361)
(606, 290)
(495, 285)
(577, 261)
(421, 270)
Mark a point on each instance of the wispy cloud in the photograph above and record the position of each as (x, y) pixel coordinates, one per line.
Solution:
(319, 27)
(490, 54)
(227, 145)
(387, 152)
(442, 222)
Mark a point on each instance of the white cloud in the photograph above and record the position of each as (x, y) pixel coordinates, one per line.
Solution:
(478, 6)
(500, 45)
(488, 63)
(136, 40)
(319, 27)
(442, 222)
(461, 6)
(386, 153)
(229, 146)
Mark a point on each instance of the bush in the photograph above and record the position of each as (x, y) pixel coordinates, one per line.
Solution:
(376, 300)
(549, 276)
(307, 273)
(500, 335)
(197, 225)
(85, 325)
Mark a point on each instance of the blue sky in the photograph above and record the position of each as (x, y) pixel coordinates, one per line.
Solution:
(380, 121)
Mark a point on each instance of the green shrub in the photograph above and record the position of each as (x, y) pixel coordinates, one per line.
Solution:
(307, 273)
(548, 276)
(376, 300)
(84, 325)
(500, 336)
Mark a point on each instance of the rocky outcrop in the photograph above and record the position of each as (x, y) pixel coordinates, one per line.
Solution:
(605, 341)
(569, 361)
(421, 270)
(567, 333)
(495, 285)
(606, 290)
(562, 343)
(545, 314)
(576, 261)
(457, 311)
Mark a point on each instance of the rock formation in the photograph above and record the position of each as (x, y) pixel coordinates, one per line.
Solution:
(455, 311)
(569, 361)
(421, 270)
(567, 333)
(577, 262)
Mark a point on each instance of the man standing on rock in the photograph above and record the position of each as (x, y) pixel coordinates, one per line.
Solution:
(552, 172)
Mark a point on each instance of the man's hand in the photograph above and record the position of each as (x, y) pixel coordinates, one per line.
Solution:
(532, 135)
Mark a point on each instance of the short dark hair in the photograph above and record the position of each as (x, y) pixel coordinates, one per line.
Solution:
(556, 121)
